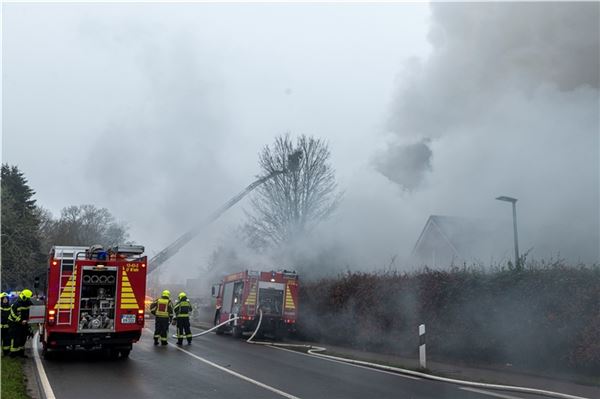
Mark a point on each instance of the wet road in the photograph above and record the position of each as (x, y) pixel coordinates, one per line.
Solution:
(221, 367)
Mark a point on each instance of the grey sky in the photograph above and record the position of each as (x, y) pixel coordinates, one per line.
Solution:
(157, 112)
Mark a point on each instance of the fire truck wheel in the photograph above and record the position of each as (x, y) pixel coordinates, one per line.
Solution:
(125, 354)
(236, 332)
(219, 331)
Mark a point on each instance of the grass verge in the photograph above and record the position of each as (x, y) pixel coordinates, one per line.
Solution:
(13, 379)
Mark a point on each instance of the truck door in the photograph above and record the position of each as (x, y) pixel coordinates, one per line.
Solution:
(227, 299)
(238, 289)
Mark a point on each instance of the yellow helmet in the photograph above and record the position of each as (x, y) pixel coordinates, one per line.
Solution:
(182, 294)
(166, 293)
(26, 294)
(3, 295)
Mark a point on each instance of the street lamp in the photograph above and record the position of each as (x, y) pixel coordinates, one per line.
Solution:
(513, 201)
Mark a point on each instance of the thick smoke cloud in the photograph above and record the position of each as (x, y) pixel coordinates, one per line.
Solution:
(406, 164)
(509, 99)
(481, 51)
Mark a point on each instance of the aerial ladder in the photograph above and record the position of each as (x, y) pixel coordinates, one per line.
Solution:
(160, 258)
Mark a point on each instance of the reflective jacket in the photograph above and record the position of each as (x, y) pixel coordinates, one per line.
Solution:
(162, 307)
(5, 312)
(183, 308)
(19, 311)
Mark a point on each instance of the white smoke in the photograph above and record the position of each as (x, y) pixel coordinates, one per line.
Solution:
(509, 101)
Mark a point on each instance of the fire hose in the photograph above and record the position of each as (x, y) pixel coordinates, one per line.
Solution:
(213, 328)
(250, 340)
(314, 351)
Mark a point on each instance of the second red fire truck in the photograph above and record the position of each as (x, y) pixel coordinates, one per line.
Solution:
(243, 294)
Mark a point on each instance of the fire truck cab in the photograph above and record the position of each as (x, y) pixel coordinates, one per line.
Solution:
(243, 294)
(94, 299)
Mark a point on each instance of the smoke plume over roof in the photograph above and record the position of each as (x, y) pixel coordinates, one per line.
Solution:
(507, 103)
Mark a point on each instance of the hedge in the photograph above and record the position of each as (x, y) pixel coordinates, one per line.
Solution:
(545, 316)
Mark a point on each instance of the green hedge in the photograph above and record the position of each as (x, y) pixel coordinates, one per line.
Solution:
(545, 316)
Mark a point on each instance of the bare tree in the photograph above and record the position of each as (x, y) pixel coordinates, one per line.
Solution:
(85, 225)
(292, 203)
(46, 228)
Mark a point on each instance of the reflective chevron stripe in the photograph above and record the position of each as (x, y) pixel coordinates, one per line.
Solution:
(67, 296)
(128, 300)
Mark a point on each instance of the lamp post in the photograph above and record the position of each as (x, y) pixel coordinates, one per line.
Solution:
(513, 201)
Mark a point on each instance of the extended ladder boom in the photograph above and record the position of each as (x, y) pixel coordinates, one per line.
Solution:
(173, 248)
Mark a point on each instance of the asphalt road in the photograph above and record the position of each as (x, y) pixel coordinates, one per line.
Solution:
(222, 367)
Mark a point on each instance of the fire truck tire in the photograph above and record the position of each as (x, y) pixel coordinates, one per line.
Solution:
(125, 353)
(236, 332)
(218, 331)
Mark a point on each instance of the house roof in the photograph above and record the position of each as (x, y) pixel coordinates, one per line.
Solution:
(461, 234)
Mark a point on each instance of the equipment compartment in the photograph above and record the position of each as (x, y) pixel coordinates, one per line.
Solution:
(98, 296)
(270, 301)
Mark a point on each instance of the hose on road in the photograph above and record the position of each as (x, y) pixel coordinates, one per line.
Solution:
(314, 351)
(212, 329)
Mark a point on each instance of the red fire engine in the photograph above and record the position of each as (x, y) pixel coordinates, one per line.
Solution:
(94, 299)
(243, 294)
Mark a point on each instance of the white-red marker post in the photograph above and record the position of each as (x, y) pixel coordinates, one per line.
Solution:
(422, 347)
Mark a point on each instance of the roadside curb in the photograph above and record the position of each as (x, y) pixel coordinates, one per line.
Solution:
(43, 384)
(34, 384)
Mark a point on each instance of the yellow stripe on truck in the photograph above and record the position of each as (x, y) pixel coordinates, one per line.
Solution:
(289, 301)
(66, 300)
(251, 299)
(128, 300)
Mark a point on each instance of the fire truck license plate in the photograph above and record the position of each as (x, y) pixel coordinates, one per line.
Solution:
(127, 319)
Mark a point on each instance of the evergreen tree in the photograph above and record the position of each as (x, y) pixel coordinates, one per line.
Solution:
(21, 259)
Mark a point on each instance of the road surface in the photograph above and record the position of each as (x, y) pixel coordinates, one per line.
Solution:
(222, 367)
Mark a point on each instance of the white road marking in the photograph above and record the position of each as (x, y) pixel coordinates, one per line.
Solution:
(40, 369)
(494, 394)
(241, 376)
(347, 364)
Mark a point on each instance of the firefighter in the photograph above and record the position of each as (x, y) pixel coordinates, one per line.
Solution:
(162, 308)
(183, 308)
(18, 323)
(4, 321)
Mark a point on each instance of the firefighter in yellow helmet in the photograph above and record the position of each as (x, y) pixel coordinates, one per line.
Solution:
(18, 319)
(183, 309)
(4, 319)
(162, 309)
